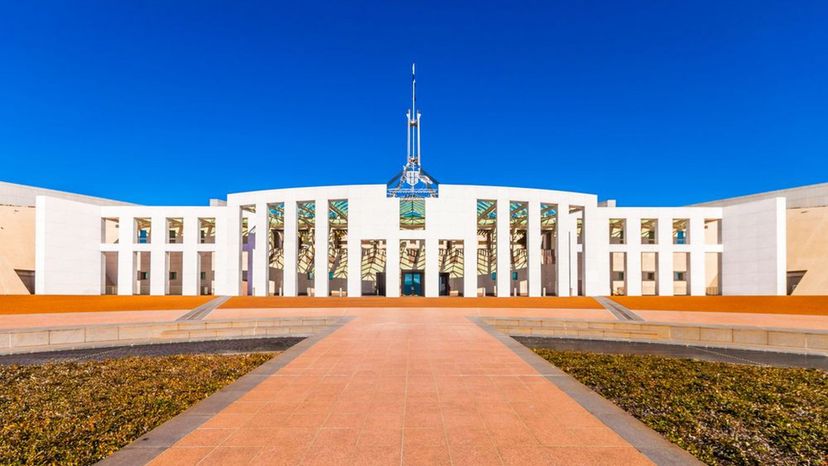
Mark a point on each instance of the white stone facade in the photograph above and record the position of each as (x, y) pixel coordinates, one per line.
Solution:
(749, 244)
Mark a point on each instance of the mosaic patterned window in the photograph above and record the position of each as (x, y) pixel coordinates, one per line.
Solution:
(412, 214)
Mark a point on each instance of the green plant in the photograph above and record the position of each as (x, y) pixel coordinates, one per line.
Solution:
(721, 413)
(81, 412)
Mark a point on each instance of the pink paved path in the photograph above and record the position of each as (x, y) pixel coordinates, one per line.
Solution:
(402, 387)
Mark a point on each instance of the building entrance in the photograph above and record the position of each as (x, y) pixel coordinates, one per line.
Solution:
(412, 283)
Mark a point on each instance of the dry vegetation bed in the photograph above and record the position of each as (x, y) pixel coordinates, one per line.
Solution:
(81, 412)
(721, 413)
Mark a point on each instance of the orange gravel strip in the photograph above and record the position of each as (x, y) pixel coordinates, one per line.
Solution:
(805, 305)
(253, 302)
(39, 304)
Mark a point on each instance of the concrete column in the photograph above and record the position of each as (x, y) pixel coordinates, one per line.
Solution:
(665, 256)
(126, 258)
(633, 239)
(392, 268)
(320, 257)
(290, 249)
(158, 256)
(228, 252)
(574, 264)
(189, 267)
(596, 251)
(698, 283)
(470, 266)
(533, 245)
(260, 252)
(565, 226)
(504, 263)
(354, 265)
(432, 268)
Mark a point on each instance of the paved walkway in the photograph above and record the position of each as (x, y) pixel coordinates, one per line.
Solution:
(403, 387)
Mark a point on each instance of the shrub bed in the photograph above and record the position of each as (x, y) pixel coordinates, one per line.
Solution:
(721, 413)
(81, 412)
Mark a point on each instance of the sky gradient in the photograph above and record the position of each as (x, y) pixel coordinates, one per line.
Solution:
(172, 103)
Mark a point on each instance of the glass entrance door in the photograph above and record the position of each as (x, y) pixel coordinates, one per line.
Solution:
(412, 283)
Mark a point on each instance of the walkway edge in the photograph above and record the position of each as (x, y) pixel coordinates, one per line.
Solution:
(649, 442)
(145, 448)
(205, 309)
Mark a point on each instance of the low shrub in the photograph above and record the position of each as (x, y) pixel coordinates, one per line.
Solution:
(721, 413)
(81, 412)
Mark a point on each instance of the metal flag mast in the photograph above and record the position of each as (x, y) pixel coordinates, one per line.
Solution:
(413, 182)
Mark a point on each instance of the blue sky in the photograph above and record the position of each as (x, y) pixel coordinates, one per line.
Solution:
(650, 103)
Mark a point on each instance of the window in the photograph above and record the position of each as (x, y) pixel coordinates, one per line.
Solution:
(679, 276)
(412, 214)
(648, 230)
(142, 275)
(207, 230)
(618, 276)
(172, 235)
(648, 276)
(244, 275)
(173, 275)
(617, 227)
(680, 231)
(203, 275)
(143, 230)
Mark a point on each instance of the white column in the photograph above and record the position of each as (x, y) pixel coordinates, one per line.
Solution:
(190, 269)
(126, 257)
(596, 251)
(665, 256)
(260, 251)
(290, 249)
(633, 240)
(320, 257)
(504, 263)
(432, 268)
(354, 265)
(228, 251)
(158, 256)
(470, 266)
(697, 262)
(392, 268)
(533, 245)
(566, 225)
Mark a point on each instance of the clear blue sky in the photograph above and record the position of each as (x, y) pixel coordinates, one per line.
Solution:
(650, 103)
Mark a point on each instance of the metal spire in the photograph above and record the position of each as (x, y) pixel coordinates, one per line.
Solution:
(413, 182)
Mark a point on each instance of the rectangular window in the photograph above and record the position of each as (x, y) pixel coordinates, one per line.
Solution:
(712, 231)
(486, 247)
(679, 276)
(173, 275)
(617, 227)
(142, 275)
(143, 230)
(175, 229)
(649, 227)
(681, 233)
(109, 230)
(207, 230)
(412, 214)
(203, 275)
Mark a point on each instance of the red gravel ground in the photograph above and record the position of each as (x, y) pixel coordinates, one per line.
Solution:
(804, 305)
(251, 302)
(38, 304)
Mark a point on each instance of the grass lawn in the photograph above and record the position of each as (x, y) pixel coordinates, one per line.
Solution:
(81, 412)
(721, 413)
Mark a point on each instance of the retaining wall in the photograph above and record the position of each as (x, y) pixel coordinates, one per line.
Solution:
(32, 340)
(721, 336)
